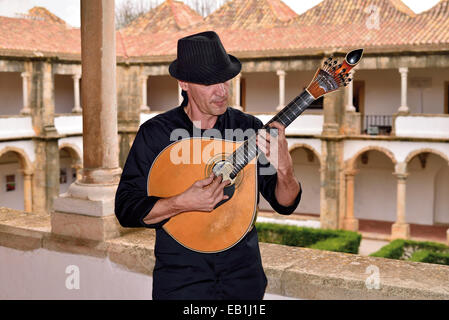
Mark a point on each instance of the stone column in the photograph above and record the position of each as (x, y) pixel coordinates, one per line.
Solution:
(27, 190)
(129, 103)
(26, 106)
(143, 83)
(237, 92)
(350, 93)
(403, 108)
(332, 151)
(281, 74)
(86, 211)
(46, 166)
(400, 228)
(447, 233)
(350, 223)
(353, 118)
(76, 93)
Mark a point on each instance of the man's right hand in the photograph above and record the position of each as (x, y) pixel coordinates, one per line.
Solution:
(204, 194)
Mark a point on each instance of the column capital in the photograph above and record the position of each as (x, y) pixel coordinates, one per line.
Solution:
(401, 175)
(403, 70)
(25, 74)
(76, 76)
(351, 172)
(281, 73)
(143, 77)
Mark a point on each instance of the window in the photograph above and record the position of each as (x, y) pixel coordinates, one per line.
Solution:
(10, 182)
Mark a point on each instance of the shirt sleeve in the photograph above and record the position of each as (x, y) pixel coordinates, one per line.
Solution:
(132, 203)
(267, 180)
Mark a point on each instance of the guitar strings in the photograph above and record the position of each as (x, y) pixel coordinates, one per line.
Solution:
(244, 153)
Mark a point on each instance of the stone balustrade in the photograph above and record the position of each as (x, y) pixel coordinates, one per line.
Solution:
(292, 272)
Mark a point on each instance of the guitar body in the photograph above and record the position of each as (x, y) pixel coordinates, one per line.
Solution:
(182, 163)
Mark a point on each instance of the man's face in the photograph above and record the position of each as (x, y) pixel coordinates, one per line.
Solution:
(209, 99)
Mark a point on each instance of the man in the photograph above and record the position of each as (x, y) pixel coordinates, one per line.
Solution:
(203, 69)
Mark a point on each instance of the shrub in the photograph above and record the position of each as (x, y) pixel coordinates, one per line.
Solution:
(331, 240)
(430, 257)
(419, 251)
(393, 250)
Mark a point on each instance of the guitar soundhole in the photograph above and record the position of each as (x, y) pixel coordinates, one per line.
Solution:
(220, 166)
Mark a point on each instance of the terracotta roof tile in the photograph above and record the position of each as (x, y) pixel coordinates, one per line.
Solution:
(169, 16)
(38, 35)
(251, 14)
(44, 14)
(250, 28)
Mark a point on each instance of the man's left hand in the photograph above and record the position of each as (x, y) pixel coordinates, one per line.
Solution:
(275, 148)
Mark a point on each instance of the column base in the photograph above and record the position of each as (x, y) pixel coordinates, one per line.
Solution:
(91, 200)
(85, 227)
(238, 108)
(25, 111)
(351, 224)
(400, 231)
(447, 236)
(279, 107)
(350, 108)
(403, 110)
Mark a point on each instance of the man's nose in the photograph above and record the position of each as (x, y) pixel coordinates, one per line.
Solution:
(221, 89)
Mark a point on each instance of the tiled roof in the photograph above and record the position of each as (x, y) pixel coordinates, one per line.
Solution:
(432, 26)
(251, 28)
(338, 12)
(251, 14)
(37, 36)
(44, 14)
(170, 16)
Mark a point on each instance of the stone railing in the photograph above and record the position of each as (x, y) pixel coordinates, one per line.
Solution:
(292, 272)
(16, 127)
(421, 125)
(69, 124)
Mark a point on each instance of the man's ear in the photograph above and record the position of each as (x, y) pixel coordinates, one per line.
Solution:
(184, 85)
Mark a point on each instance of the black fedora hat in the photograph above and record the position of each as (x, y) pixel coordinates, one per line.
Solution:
(202, 59)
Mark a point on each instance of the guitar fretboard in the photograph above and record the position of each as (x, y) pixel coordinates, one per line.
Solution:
(248, 150)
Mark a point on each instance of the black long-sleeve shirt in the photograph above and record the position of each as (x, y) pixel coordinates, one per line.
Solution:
(132, 204)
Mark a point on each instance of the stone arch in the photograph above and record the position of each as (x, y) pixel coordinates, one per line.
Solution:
(350, 164)
(430, 182)
(308, 147)
(73, 150)
(310, 179)
(25, 163)
(27, 169)
(69, 171)
(414, 153)
(359, 203)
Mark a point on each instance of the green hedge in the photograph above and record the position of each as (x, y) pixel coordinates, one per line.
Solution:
(323, 239)
(420, 251)
(430, 257)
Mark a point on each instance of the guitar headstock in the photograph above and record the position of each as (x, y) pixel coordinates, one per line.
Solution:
(333, 75)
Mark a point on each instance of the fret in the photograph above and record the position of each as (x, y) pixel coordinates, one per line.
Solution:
(244, 154)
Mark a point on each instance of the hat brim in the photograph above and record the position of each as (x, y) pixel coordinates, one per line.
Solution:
(207, 75)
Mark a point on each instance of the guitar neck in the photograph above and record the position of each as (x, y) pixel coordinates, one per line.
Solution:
(292, 111)
(248, 150)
